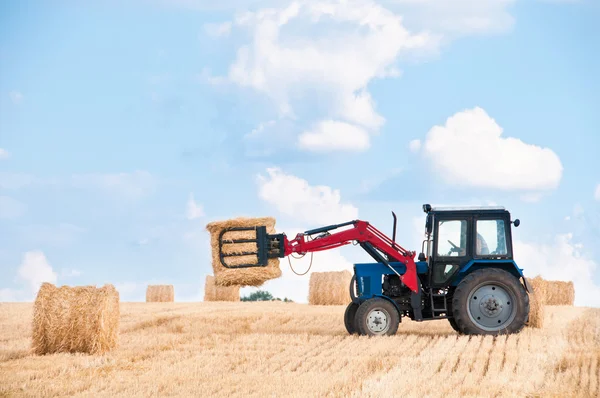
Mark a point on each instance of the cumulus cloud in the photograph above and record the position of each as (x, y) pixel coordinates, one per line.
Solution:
(35, 269)
(4, 154)
(340, 49)
(469, 150)
(193, 209)
(563, 260)
(457, 18)
(331, 135)
(597, 193)
(218, 29)
(295, 197)
(414, 145)
(31, 273)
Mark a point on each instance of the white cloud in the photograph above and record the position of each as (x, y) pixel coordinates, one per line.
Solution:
(414, 145)
(4, 154)
(597, 193)
(31, 273)
(295, 197)
(457, 18)
(331, 135)
(218, 29)
(34, 270)
(10, 208)
(193, 210)
(469, 150)
(564, 261)
(132, 185)
(16, 97)
(338, 49)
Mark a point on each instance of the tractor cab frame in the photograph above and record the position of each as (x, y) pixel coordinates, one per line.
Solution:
(460, 238)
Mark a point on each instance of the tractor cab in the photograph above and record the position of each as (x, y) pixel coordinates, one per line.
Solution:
(457, 237)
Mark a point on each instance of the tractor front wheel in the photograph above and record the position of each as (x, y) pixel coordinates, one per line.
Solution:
(349, 317)
(377, 317)
(490, 301)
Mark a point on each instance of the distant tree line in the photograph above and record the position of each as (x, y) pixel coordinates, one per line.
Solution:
(263, 295)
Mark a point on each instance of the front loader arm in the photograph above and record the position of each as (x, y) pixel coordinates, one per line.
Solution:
(367, 236)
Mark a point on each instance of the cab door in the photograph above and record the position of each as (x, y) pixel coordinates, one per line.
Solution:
(452, 247)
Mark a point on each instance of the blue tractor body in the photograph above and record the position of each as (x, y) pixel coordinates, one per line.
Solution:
(369, 277)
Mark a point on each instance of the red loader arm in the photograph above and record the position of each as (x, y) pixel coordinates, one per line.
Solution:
(368, 236)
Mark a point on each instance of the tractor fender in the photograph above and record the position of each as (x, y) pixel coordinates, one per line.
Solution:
(353, 296)
(507, 265)
(526, 284)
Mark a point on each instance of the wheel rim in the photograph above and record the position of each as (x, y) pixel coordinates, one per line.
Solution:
(492, 306)
(378, 321)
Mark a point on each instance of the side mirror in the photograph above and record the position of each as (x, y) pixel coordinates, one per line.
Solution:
(517, 222)
(428, 224)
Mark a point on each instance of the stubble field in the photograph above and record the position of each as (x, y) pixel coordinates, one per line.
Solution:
(259, 349)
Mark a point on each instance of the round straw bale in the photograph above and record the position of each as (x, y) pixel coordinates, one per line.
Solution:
(329, 288)
(560, 293)
(160, 294)
(75, 319)
(253, 276)
(213, 292)
(537, 299)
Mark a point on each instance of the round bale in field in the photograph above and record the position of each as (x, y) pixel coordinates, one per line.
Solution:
(75, 319)
(329, 288)
(212, 292)
(160, 294)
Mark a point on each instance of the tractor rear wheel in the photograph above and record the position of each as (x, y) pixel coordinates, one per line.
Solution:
(349, 317)
(377, 317)
(454, 325)
(490, 301)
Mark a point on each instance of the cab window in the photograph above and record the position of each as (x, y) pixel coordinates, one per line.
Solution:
(452, 238)
(491, 238)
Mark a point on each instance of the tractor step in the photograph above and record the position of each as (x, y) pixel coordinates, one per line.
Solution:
(442, 304)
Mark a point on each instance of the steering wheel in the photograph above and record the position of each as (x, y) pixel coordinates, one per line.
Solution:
(454, 248)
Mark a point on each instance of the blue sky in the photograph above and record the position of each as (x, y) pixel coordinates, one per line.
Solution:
(124, 129)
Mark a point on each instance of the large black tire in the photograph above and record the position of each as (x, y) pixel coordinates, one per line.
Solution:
(377, 317)
(454, 325)
(349, 317)
(490, 301)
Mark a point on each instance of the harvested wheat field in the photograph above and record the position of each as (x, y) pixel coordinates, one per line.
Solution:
(258, 349)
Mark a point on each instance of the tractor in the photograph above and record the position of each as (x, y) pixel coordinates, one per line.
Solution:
(465, 272)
